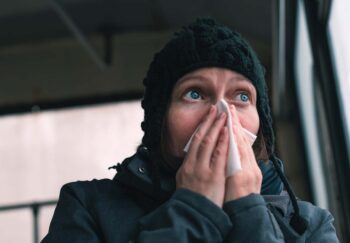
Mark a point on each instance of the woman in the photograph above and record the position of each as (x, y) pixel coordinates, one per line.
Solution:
(163, 194)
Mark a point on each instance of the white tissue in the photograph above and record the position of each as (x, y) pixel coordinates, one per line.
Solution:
(233, 160)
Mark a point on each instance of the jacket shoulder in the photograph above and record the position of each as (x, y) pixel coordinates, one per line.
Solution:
(317, 217)
(319, 221)
(93, 188)
(93, 210)
(310, 210)
(96, 194)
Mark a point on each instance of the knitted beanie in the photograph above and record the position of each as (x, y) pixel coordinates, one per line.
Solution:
(204, 43)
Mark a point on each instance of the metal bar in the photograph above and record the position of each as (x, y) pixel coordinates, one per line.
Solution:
(35, 208)
(26, 205)
(78, 34)
(279, 58)
(35, 211)
(324, 11)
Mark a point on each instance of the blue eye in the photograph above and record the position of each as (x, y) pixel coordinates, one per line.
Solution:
(193, 94)
(244, 97)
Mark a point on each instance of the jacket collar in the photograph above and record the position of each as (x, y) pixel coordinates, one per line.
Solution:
(135, 174)
(280, 202)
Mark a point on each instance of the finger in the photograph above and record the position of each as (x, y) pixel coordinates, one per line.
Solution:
(243, 145)
(219, 157)
(200, 133)
(236, 125)
(209, 142)
(247, 158)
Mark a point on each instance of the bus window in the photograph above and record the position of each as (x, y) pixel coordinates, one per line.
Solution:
(339, 35)
(305, 88)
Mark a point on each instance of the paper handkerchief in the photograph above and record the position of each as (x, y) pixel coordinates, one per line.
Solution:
(233, 160)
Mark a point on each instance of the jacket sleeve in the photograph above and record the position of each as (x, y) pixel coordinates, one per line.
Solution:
(71, 222)
(252, 221)
(185, 217)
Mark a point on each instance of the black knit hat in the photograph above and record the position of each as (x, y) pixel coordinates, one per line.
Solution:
(205, 43)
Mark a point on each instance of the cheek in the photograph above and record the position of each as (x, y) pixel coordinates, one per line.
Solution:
(180, 125)
(250, 120)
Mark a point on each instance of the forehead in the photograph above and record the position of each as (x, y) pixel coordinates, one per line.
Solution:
(212, 74)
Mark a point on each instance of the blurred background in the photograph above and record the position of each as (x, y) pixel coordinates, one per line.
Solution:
(71, 82)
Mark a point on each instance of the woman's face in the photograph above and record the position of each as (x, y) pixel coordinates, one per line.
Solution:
(192, 97)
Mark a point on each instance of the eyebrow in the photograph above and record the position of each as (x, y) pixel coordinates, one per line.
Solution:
(244, 81)
(238, 77)
(192, 77)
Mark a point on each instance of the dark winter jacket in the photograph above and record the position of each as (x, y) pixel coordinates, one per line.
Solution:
(130, 209)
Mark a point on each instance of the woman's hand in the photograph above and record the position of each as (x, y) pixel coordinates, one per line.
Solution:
(203, 169)
(247, 180)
